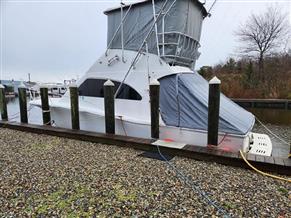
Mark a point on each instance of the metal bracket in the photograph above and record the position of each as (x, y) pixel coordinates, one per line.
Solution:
(113, 60)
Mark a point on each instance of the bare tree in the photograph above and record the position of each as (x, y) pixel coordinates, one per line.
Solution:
(263, 34)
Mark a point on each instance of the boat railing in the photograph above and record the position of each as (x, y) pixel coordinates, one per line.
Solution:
(120, 28)
(185, 48)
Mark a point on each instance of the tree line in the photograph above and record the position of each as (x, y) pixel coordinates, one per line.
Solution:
(263, 66)
(242, 78)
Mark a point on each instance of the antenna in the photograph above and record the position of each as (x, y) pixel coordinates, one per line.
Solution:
(122, 32)
(210, 9)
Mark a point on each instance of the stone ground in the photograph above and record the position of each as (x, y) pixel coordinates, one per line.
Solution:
(45, 176)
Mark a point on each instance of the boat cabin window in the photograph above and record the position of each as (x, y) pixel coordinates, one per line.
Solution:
(94, 88)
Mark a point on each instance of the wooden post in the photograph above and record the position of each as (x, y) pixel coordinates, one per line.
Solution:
(46, 115)
(213, 111)
(3, 103)
(109, 91)
(74, 96)
(22, 104)
(155, 115)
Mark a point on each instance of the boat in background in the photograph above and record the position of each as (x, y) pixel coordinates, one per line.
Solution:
(56, 89)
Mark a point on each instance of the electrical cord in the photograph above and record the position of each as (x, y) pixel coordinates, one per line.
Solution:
(261, 172)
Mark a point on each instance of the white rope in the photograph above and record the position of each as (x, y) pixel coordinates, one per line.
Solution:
(122, 124)
(49, 122)
(276, 136)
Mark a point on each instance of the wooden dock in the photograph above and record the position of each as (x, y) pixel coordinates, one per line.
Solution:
(269, 164)
(264, 103)
(211, 153)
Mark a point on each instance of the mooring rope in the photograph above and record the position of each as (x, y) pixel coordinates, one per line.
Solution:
(276, 136)
(11, 118)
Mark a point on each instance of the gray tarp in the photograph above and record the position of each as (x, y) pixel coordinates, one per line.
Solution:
(182, 29)
(184, 103)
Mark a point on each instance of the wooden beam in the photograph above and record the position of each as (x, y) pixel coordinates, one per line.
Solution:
(109, 91)
(155, 105)
(74, 97)
(46, 114)
(22, 104)
(213, 111)
(3, 103)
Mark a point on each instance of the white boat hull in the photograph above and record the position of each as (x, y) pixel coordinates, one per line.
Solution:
(96, 123)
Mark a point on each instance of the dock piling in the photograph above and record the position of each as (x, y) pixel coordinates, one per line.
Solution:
(213, 111)
(155, 101)
(22, 104)
(74, 97)
(3, 103)
(46, 115)
(109, 91)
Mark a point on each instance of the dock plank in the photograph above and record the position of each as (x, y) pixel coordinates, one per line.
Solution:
(264, 103)
(279, 161)
(251, 157)
(269, 160)
(287, 162)
(260, 158)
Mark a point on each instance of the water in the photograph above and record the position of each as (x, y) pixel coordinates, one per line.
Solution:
(277, 120)
(34, 113)
(273, 116)
(270, 116)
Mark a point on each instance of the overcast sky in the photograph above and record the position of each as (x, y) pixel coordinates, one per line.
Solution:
(56, 40)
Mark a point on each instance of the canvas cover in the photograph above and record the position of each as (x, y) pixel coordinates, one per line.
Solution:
(184, 103)
(182, 29)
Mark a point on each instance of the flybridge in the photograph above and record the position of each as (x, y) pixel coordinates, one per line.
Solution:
(170, 29)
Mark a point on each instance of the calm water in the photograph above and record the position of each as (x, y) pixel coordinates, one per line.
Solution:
(272, 116)
(34, 113)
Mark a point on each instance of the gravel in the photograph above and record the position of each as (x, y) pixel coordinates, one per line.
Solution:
(43, 176)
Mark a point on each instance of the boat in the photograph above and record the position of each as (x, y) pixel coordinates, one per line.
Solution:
(56, 89)
(9, 87)
(156, 40)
